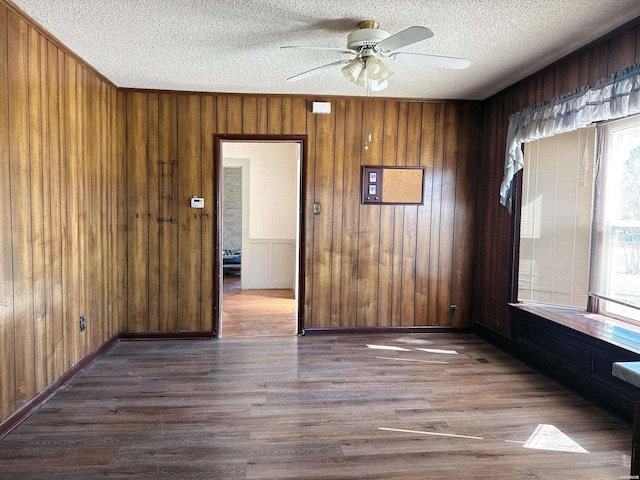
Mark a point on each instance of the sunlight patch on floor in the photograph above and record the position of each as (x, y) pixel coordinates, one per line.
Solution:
(419, 432)
(436, 350)
(550, 437)
(412, 360)
(544, 437)
(388, 347)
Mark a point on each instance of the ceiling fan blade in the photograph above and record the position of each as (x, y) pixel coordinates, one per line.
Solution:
(313, 71)
(327, 49)
(404, 38)
(431, 60)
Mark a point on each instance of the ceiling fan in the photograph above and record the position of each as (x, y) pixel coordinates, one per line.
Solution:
(369, 44)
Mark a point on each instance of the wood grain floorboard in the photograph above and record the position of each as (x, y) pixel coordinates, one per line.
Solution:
(323, 407)
(256, 312)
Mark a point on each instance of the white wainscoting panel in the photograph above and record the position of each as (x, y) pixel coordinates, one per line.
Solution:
(270, 263)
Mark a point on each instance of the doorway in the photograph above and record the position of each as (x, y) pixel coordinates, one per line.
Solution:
(259, 254)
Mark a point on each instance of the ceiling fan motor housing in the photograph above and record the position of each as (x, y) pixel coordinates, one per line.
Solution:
(365, 37)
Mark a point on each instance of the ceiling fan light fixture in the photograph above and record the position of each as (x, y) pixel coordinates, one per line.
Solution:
(362, 79)
(353, 69)
(376, 70)
(367, 42)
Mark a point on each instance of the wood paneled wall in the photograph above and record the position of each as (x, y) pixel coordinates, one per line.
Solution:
(493, 232)
(366, 266)
(60, 250)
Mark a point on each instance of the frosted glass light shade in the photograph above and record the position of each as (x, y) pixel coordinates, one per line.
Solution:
(376, 69)
(367, 72)
(353, 69)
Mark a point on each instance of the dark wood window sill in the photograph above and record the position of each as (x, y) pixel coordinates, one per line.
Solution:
(616, 332)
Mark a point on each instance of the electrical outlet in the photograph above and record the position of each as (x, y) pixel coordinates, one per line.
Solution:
(453, 311)
(83, 322)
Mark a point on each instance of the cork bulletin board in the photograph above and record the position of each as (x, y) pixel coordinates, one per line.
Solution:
(393, 185)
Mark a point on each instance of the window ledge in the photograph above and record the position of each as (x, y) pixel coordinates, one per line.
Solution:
(616, 332)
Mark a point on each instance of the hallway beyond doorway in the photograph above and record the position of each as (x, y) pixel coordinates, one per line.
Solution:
(257, 313)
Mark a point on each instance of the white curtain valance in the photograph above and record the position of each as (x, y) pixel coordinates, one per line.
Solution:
(613, 97)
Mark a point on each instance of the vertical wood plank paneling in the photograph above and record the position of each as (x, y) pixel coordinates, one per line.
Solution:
(338, 209)
(122, 201)
(208, 178)
(221, 114)
(436, 247)
(262, 116)
(409, 230)
(37, 210)
(531, 89)
(570, 80)
(153, 207)
(80, 227)
(622, 51)
(385, 252)
(86, 232)
(428, 215)
(520, 96)
(93, 238)
(369, 225)
(388, 266)
(598, 63)
(137, 213)
(447, 214)
(287, 111)
(234, 114)
(308, 219)
(250, 118)
(386, 255)
(65, 234)
(398, 222)
(189, 226)
(464, 215)
(56, 314)
(7, 318)
(393, 263)
(168, 232)
(493, 274)
(102, 178)
(557, 81)
(584, 69)
(47, 240)
(53, 133)
(321, 238)
(153, 169)
(21, 228)
(115, 200)
(274, 115)
(548, 83)
(350, 214)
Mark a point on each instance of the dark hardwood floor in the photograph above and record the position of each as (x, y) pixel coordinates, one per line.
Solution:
(315, 407)
(257, 313)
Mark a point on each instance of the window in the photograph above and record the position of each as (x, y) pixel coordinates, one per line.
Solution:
(580, 220)
(615, 278)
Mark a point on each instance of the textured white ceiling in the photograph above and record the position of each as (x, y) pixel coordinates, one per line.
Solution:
(233, 46)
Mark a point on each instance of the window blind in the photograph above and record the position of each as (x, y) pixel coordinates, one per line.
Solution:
(555, 228)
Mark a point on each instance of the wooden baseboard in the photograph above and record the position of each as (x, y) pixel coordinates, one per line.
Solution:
(20, 415)
(378, 330)
(177, 335)
(497, 339)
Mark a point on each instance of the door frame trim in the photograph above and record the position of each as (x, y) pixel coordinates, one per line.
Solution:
(218, 139)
